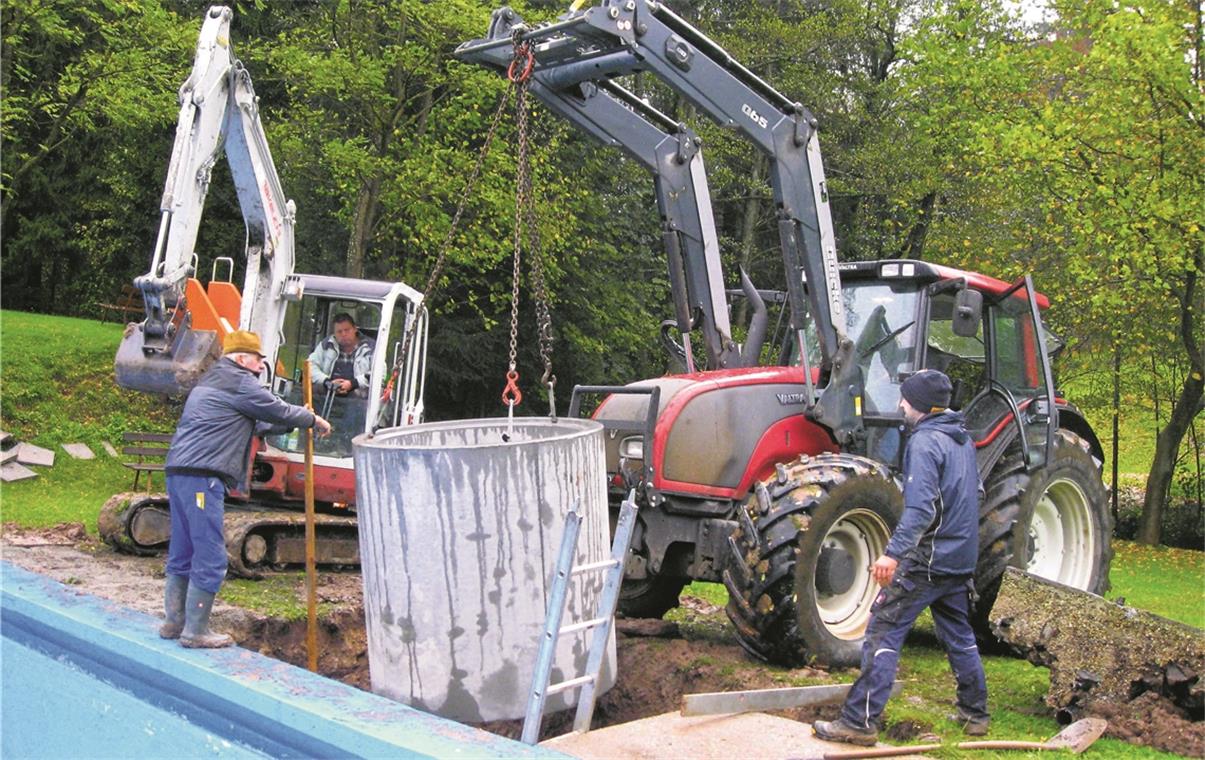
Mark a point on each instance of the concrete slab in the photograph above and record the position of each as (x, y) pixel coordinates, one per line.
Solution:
(108, 447)
(722, 737)
(27, 453)
(11, 471)
(8, 456)
(6, 440)
(79, 451)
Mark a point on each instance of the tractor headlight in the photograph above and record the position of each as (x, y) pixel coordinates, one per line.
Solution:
(632, 447)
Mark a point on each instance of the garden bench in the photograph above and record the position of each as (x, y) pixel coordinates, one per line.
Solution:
(150, 450)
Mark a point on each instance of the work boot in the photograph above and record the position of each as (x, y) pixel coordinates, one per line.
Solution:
(173, 606)
(971, 726)
(196, 622)
(840, 731)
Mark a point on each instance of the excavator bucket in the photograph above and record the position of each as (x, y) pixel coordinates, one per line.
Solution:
(197, 343)
(173, 371)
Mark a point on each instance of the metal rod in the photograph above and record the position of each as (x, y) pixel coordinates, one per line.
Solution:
(592, 566)
(572, 683)
(538, 32)
(582, 626)
(311, 574)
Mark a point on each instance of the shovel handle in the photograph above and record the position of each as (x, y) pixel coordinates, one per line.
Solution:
(1005, 744)
(855, 754)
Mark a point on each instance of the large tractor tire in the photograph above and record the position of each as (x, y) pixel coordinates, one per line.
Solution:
(798, 568)
(1053, 522)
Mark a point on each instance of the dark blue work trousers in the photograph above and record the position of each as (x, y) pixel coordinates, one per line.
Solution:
(896, 608)
(197, 548)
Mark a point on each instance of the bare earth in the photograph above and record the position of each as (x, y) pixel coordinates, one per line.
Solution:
(658, 661)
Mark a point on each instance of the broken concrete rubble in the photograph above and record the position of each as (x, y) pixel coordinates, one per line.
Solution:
(1099, 652)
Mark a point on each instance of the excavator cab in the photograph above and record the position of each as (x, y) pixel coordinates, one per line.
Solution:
(316, 329)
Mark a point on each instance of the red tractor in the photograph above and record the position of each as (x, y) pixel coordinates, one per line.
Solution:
(780, 481)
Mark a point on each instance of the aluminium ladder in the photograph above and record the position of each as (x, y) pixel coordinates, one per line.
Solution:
(602, 622)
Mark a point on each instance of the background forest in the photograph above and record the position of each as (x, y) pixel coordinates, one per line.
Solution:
(956, 132)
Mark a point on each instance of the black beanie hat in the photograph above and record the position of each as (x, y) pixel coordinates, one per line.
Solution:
(927, 391)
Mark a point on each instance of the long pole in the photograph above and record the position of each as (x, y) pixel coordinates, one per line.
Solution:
(311, 573)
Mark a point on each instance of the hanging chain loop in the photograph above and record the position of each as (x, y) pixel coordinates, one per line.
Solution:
(441, 259)
(525, 217)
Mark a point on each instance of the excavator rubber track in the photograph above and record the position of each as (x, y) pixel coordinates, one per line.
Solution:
(258, 539)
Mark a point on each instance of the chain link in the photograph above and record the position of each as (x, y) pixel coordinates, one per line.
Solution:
(525, 216)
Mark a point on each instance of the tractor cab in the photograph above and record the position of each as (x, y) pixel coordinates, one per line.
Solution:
(985, 334)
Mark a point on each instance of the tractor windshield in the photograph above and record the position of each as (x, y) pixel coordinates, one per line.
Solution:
(880, 318)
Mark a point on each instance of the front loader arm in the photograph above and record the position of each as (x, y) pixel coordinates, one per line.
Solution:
(623, 37)
(670, 151)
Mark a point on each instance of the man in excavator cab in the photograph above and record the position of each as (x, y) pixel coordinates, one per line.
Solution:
(341, 364)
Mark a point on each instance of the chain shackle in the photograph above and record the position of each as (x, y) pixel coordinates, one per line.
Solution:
(511, 395)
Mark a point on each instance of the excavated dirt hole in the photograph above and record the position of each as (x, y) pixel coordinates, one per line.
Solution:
(658, 661)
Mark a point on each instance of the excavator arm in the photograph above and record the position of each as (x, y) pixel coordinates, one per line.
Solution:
(173, 346)
(622, 37)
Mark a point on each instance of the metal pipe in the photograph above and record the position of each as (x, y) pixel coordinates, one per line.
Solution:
(311, 571)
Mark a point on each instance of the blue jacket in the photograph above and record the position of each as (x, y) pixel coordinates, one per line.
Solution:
(940, 525)
(222, 412)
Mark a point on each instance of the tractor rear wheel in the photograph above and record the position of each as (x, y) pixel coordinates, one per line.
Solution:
(1053, 522)
(798, 569)
(650, 597)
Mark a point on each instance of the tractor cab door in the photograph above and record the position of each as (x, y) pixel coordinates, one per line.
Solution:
(1002, 376)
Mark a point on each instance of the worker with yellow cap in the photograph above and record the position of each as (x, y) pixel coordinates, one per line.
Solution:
(209, 455)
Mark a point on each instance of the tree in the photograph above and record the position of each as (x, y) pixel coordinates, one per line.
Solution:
(86, 86)
(1082, 150)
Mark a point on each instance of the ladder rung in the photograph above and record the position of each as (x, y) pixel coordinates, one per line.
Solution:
(600, 565)
(557, 688)
(583, 625)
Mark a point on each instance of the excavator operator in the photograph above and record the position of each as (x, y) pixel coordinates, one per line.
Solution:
(340, 365)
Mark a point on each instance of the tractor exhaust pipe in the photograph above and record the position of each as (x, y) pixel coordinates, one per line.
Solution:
(757, 323)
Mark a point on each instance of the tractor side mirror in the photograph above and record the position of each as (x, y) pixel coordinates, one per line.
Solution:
(968, 308)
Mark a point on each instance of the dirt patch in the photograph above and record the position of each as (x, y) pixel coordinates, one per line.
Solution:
(658, 661)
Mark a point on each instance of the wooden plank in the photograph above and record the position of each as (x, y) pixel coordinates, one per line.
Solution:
(144, 451)
(147, 437)
(145, 466)
(719, 702)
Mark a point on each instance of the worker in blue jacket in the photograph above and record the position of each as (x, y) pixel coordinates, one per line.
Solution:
(208, 456)
(929, 562)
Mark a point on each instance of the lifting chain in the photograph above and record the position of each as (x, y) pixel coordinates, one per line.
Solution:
(519, 73)
(441, 259)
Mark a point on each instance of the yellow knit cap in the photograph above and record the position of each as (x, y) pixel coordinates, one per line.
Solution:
(242, 341)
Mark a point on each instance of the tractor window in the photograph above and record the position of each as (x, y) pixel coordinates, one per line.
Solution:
(881, 320)
(1016, 348)
(963, 359)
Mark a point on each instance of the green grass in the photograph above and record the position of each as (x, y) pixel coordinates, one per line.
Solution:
(280, 595)
(1167, 582)
(57, 380)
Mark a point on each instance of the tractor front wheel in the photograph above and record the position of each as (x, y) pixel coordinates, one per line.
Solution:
(798, 570)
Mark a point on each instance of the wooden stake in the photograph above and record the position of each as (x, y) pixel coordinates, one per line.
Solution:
(311, 572)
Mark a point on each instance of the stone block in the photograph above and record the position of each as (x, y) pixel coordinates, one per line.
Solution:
(27, 453)
(11, 471)
(79, 450)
